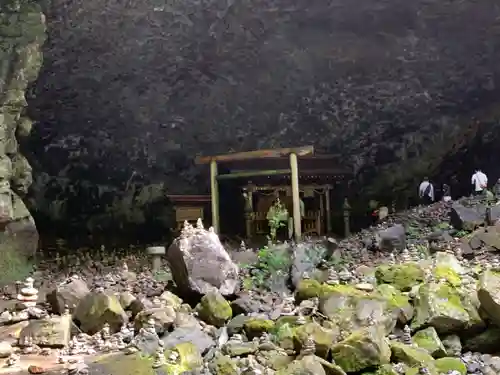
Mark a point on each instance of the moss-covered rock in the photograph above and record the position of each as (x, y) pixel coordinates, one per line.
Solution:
(214, 309)
(410, 355)
(139, 364)
(255, 327)
(305, 366)
(330, 368)
(363, 349)
(401, 276)
(428, 340)
(349, 308)
(223, 365)
(447, 273)
(189, 358)
(292, 321)
(310, 288)
(171, 300)
(164, 318)
(447, 364)
(96, 309)
(440, 306)
(323, 337)
(235, 349)
(285, 336)
(489, 294)
(274, 359)
(397, 301)
(135, 364)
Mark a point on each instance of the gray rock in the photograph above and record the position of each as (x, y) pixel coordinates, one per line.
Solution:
(193, 334)
(244, 305)
(67, 294)
(465, 218)
(199, 263)
(392, 238)
(146, 342)
(306, 256)
(6, 349)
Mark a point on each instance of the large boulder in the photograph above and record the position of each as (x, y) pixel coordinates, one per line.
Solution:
(189, 359)
(410, 355)
(97, 309)
(68, 293)
(441, 306)
(351, 309)
(214, 309)
(306, 256)
(363, 349)
(200, 264)
(323, 337)
(54, 332)
(489, 294)
(401, 276)
(465, 218)
(163, 317)
(392, 238)
(428, 340)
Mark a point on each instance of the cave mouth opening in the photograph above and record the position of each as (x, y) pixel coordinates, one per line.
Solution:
(102, 112)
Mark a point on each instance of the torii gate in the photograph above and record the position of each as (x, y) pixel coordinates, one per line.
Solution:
(292, 152)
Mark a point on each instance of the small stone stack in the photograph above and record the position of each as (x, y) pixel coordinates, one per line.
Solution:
(28, 295)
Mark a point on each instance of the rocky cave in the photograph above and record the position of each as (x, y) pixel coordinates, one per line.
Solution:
(123, 96)
(104, 106)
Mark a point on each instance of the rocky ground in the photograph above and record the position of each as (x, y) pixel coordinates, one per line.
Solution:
(418, 294)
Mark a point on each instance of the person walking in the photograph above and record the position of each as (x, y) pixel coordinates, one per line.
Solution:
(480, 182)
(496, 189)
(426, 191)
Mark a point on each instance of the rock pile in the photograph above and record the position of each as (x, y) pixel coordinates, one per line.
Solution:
(341, 308)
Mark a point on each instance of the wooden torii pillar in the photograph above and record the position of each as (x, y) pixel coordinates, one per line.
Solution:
(293, 153)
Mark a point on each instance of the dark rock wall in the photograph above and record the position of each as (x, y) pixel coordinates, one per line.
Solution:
(132, 90)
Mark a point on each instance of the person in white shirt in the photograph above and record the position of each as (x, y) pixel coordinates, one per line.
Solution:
(480, 182)
(426, 191)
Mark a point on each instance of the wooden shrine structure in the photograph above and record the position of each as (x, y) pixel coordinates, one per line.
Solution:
(189, 208)
(278, 171)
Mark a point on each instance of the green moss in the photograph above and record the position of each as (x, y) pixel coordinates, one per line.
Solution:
(255, 327)
(447, 273)
(289, 320)
(410, 355)
(393, 296)
(214, 309)
(450, 296)
(135, 364)
(224, 365)
(440, 306)
(401, 276)
(307, 289)
(428, 340)
(444, 365)
(285, 336)
(323, 337)
(190, 358)
(362, 349)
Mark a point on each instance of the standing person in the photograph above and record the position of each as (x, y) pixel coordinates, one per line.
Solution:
(496, 189)
(480, 182)
(426, 191)
(446, 193)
